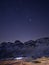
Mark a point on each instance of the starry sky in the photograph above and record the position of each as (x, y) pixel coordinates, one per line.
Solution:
(24, 19)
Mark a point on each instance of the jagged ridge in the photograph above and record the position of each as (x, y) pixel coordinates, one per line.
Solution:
(31, 48)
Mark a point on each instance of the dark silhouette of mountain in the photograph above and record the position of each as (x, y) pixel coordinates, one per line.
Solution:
(19, 44)
(31, 48)
(30, 43)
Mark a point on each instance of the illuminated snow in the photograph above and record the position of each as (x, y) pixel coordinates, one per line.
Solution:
(19, 58)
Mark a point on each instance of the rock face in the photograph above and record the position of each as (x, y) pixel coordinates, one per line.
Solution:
(34, 49)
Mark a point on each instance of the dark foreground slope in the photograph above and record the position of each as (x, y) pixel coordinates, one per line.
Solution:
(39, 61)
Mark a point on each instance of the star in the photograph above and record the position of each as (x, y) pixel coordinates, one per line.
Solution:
(30, 19)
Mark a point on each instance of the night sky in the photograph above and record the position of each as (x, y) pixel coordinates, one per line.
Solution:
(23, 20)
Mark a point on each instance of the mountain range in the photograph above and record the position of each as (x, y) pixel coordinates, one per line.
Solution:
(31, 48)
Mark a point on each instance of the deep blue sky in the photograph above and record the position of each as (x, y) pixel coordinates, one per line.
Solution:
(23, 19)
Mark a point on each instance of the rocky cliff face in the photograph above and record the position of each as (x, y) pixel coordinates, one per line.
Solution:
(34, 49)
